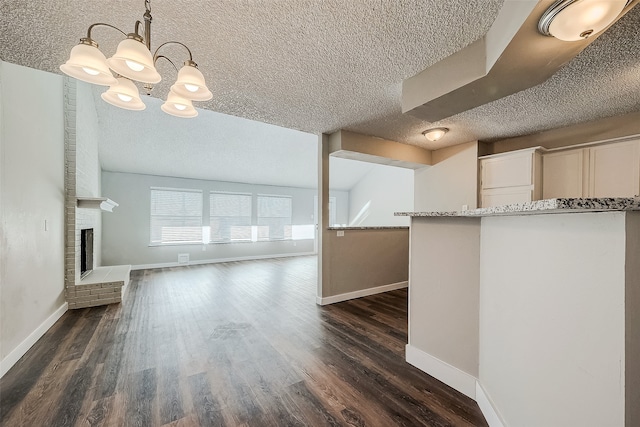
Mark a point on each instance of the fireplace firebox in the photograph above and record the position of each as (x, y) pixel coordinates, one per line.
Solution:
(86, 251)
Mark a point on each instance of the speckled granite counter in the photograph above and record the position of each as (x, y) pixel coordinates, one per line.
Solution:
(392, 227)
(538, 207)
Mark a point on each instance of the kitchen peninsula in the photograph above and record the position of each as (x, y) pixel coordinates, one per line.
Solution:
(531, 309)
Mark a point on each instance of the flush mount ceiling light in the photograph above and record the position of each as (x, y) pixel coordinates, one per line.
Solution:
(572, 20)
(435, 133)
(133, 61)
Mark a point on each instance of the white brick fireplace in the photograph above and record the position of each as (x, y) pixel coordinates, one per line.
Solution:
(105, 285)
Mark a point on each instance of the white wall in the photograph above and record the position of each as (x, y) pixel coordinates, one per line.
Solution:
(552, 320)
(31, 192)
(381, 192)
(88, 170)
(126, 229)
(451, 182)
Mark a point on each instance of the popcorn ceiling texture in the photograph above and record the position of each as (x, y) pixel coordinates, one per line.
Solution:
(319, 66)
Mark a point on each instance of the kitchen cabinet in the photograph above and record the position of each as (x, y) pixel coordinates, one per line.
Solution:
(614, 170)
(514, 177)
(563, 174)
(605, 170)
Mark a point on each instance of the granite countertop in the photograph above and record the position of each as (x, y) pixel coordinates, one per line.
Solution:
(548, 206)
(379, 227)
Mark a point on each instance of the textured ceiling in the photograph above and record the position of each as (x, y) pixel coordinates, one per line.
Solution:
(319, 66)
(212, 146)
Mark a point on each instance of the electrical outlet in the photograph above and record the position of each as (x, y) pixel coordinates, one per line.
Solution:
(465, 207)
(340, 233)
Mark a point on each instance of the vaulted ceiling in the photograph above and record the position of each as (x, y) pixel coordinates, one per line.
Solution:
(320, 66)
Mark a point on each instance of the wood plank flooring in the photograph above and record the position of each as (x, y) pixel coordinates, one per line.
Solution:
(233, 344)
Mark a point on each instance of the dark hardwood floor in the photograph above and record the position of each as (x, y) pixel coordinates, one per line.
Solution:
(234, 344)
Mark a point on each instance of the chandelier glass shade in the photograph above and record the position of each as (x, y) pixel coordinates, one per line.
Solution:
(124, 94)
(178, 106)
(190, 84)
(132, 62)
(88, 64)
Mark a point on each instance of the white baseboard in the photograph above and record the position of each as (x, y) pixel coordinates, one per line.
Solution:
(450, 375)
(362, 293)
(218, 260)
(488, 408)
(15, 355)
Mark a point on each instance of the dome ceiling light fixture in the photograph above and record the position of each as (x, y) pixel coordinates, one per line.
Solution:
(133, 61)
(573, 20)
(435, 134)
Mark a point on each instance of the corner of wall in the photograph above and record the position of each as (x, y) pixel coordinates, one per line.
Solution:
(452, 181)
(632, 320)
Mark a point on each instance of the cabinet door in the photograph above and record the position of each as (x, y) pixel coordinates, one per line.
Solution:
(562, 174)
(506, 196)
(615, 170)
(507, 171)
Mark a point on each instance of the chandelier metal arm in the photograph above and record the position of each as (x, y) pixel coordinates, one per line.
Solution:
(155, 59)
(98, 24)
(136, 29)
(155, 54)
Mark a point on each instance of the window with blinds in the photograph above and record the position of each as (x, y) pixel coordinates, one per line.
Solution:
(274, 217)
(230, 217)
(176, 216)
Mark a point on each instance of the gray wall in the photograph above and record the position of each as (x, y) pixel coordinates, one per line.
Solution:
(31, 192)
(451, 182)
(126, 230)
(363, 259)
(444, 289)
(632, 321)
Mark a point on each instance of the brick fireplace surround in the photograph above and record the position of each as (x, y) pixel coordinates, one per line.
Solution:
(105, 285)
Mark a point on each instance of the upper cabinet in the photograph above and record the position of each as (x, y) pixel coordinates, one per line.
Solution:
(514, 177)
(563, 174)
(614, 170)
(607, 170)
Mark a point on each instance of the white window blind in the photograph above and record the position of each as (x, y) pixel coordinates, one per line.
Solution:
(230, 217)
(274, 217)
(176, 216)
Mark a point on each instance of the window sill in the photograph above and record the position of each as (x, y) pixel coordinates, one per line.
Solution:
(241, 242)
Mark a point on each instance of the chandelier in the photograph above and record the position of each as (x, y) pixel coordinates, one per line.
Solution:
(133, 61)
